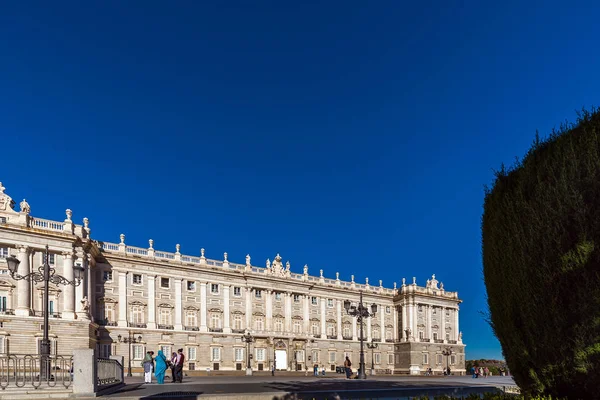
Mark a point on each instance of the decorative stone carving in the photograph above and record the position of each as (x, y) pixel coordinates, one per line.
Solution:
(433, 283)
(403, 281)
(177, 248)
(151, 243)
(225, 256)
(85, 304)
(202, 253)
(248, 260)
(277, 267)
(69, 214)
(25, 208)
(6, 202)
(268, 265)
(122, 237)
(414, 281)
(305, 269)
(442, 286)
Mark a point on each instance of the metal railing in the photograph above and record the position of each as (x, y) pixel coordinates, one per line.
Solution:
(26, 370)
(162, 326)
(191, 328)
(110, 372)
(136, 325)
(7, 311)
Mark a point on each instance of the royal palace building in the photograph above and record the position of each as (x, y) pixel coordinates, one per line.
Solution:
(168, 300)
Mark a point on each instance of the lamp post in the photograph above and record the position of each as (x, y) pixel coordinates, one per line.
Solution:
(360, 312)
(129, 340)
(447, 352)
(372, 346)
(45, 274)
(248, 338)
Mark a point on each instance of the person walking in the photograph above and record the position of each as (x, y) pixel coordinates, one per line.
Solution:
(316, 369)
(323, 370)
(348, 367)
(179, 368)
(173, 366)
(148, 365)
(160, 367)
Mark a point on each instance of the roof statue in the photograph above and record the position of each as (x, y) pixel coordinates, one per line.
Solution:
(25, 208)
(433, 283)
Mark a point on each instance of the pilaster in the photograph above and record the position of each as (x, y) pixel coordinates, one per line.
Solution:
(369, 329)
(248, 308)
(203, 308)
(443, 323)
(456, 330)
(151, 301)
(23, 286)
(178, 305)
(122, 322)
(269, 310)
(226, 315)
(429, 329)
(339, 319)
(383, 329)
(323, 317)
(306, 314)
(69, 290)
(404, 321)
(288, 311)
(395, 319)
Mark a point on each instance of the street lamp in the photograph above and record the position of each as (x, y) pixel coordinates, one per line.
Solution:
(447, 352)
(45, 274)
(360, 312)
(248, 338)
(129, 340)
(372, 346)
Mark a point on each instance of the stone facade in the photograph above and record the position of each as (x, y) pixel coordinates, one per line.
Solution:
(203, 305)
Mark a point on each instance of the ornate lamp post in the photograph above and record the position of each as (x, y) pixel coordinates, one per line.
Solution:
(447, 352)
(248, 338)
(360, 312)
(129, 340)
(372, 346)
(45, 274)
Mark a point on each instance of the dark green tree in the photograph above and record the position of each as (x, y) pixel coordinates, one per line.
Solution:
(541, 261)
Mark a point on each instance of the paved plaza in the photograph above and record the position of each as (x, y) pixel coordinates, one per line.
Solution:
(397, 387)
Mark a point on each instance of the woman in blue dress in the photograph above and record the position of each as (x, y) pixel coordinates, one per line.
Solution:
(160, 367)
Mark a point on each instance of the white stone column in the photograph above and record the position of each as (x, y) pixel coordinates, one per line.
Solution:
(383, 329)
(249, 308)
(404, 320)
(226, 314)
(151, 301)
(323, 319)
(415, 311)
(269, 310)
(395, 318)
(23, 286)
(122, 299)
(355, 333)
(456, 330)
(369, 327)
(306, 314)
(339, 319)
(87, 262)
(178, 305)
(69, 290)
(429, 329)
(443, 323)
(288, 311)
(203, 308)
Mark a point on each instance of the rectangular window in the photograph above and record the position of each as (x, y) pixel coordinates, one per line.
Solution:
(447, 336)
(260, 355)
(421, 335)
(453, 359)
(420, 308)
(216, 354)
(377, 358)
(164, 283)
(297, 327)
(314, 328)
(239, 354)
(296, 298)
(237, 291)
(315, 356)
(191, 286)
(259, 324)
(439, 359)
(314, 301)
(138, 351)
(447, 313)
(107, 276)
(329, 303)
(390, 359)
(214, 288)
(299, 354)
(258, 293)
(51, 259)
(237, 321)
(4, 252)
(425, 358)
(277, 296)
(137, 279)
(51, 307)
(191, 353)
(166, 351)
(388, 309)
(3, 302)
(332, 357)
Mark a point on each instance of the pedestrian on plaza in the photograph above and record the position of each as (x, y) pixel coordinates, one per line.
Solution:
(323, 370)
(473, 372)
(273, 369)
(148, 365)
(179, 369)
(486, 372)
(173, 366)
(348, 367)
(316, 369)
(160, 367)
(448, 371)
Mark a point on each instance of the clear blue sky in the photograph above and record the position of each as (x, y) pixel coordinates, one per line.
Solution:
(350, 136)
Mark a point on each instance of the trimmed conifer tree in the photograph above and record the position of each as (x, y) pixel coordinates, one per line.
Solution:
(541, 261)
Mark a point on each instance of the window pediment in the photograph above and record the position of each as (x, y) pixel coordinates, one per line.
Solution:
(106, 300)
(191, 308)
(215, 310)
(165, 305)
(137, 303)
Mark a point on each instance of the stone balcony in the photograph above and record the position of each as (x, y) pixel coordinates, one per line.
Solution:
(347, 337)
(164, 326)
(216, 330)
(191, 328)
(7, 311)
(51, 315)
(136, 325)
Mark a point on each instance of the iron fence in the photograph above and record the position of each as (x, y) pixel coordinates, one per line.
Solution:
(110, 372)
(21, 370)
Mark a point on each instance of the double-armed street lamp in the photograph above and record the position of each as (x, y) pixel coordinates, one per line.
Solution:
(131, 339)
(372, 346)
(360, 312)
(45, 274)
(248, 338)
(447, 352)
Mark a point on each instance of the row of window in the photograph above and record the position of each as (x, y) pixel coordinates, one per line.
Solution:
(434, 311)
(439, 359)
(4, 253)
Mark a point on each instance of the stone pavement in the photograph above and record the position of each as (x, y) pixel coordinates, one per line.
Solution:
(267, 387)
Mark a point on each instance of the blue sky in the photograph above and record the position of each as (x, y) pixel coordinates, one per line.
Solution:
(349, 136)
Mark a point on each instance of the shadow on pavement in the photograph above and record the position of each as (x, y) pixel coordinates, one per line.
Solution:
(179, 395)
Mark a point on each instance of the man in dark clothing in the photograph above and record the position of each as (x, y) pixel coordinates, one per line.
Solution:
(179, 366)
